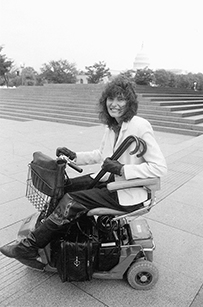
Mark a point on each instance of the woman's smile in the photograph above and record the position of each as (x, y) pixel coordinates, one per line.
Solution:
(116, 107)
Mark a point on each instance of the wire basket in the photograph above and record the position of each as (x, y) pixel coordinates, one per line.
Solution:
(40, 200)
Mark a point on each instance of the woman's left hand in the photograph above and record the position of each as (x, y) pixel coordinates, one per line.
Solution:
(112, 166)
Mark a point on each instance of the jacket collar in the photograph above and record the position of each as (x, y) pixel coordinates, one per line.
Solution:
(120, 139)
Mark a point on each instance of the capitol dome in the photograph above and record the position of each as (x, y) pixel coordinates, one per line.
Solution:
(141, 60)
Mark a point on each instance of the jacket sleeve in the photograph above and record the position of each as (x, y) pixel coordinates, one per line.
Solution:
(153, 163)
(91, 157)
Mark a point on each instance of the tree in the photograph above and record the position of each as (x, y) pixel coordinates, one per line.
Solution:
(130, 73)
(5, 66)
(183, 81)
(162, 77)
(14, 77)
(144, 76)
(199, 79)
(28, 76)
(59, 72)
(97, 72)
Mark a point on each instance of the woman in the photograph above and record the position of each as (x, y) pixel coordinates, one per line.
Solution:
(118, 109)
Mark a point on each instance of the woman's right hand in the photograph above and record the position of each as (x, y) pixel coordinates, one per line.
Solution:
(65, 151)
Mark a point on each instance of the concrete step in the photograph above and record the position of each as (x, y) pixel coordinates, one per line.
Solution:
(169, 90)
(177, 131)
(50, 100)
(51, 116)
(164, 123)
(187, 110)
(173, 94)
(172, 97)
(51, 113)
(169, 109)
(189, 113)
(167, 112)
(47, 103)
(55, 111)
(159, 116)
(50, 108)
(16, 118)
(90, 124)
(148, 102)
(199, 126)
(178, 102)
(90, 111)
(71, 121)
(183, 107)
(175, 112)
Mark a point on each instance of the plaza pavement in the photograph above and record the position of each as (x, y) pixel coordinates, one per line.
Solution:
(176, 222)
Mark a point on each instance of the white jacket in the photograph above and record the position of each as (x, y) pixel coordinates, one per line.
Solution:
(152, 164)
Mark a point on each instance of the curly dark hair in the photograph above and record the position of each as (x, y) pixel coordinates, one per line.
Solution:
(120, 87)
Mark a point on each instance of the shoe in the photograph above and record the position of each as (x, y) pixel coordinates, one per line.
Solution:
(28, 247)
(25, 255)
(19, 250)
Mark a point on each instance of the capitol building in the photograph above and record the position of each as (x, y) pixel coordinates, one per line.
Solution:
(141, 60)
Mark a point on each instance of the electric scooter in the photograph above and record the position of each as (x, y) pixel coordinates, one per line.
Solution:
(124, 242)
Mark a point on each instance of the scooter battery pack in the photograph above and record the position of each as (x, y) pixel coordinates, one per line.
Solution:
(141, 233)
(108, 256)
(76, 260)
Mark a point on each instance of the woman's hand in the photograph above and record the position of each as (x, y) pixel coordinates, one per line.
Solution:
(65, 151)
(112, 166)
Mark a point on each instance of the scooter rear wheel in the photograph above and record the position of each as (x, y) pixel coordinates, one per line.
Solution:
(142, 275)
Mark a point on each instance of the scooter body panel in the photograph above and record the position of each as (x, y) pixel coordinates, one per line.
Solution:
(141, 242)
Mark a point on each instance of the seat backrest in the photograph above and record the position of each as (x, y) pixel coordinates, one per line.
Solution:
(151, 184)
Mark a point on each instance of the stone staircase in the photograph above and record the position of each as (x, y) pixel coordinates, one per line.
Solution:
(62, 103)
(169, 110)
(172, 110)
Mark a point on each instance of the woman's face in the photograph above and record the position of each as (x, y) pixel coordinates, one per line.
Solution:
(116, 107)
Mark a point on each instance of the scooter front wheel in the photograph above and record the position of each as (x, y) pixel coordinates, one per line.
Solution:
(142, 275)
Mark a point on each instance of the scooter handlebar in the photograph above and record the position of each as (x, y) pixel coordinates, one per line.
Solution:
(70, 163)
(75, 167)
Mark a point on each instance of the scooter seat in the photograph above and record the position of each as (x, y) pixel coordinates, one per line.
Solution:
(104, 211)
(152, 184)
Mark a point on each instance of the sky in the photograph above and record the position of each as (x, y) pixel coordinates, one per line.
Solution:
(85, 32)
